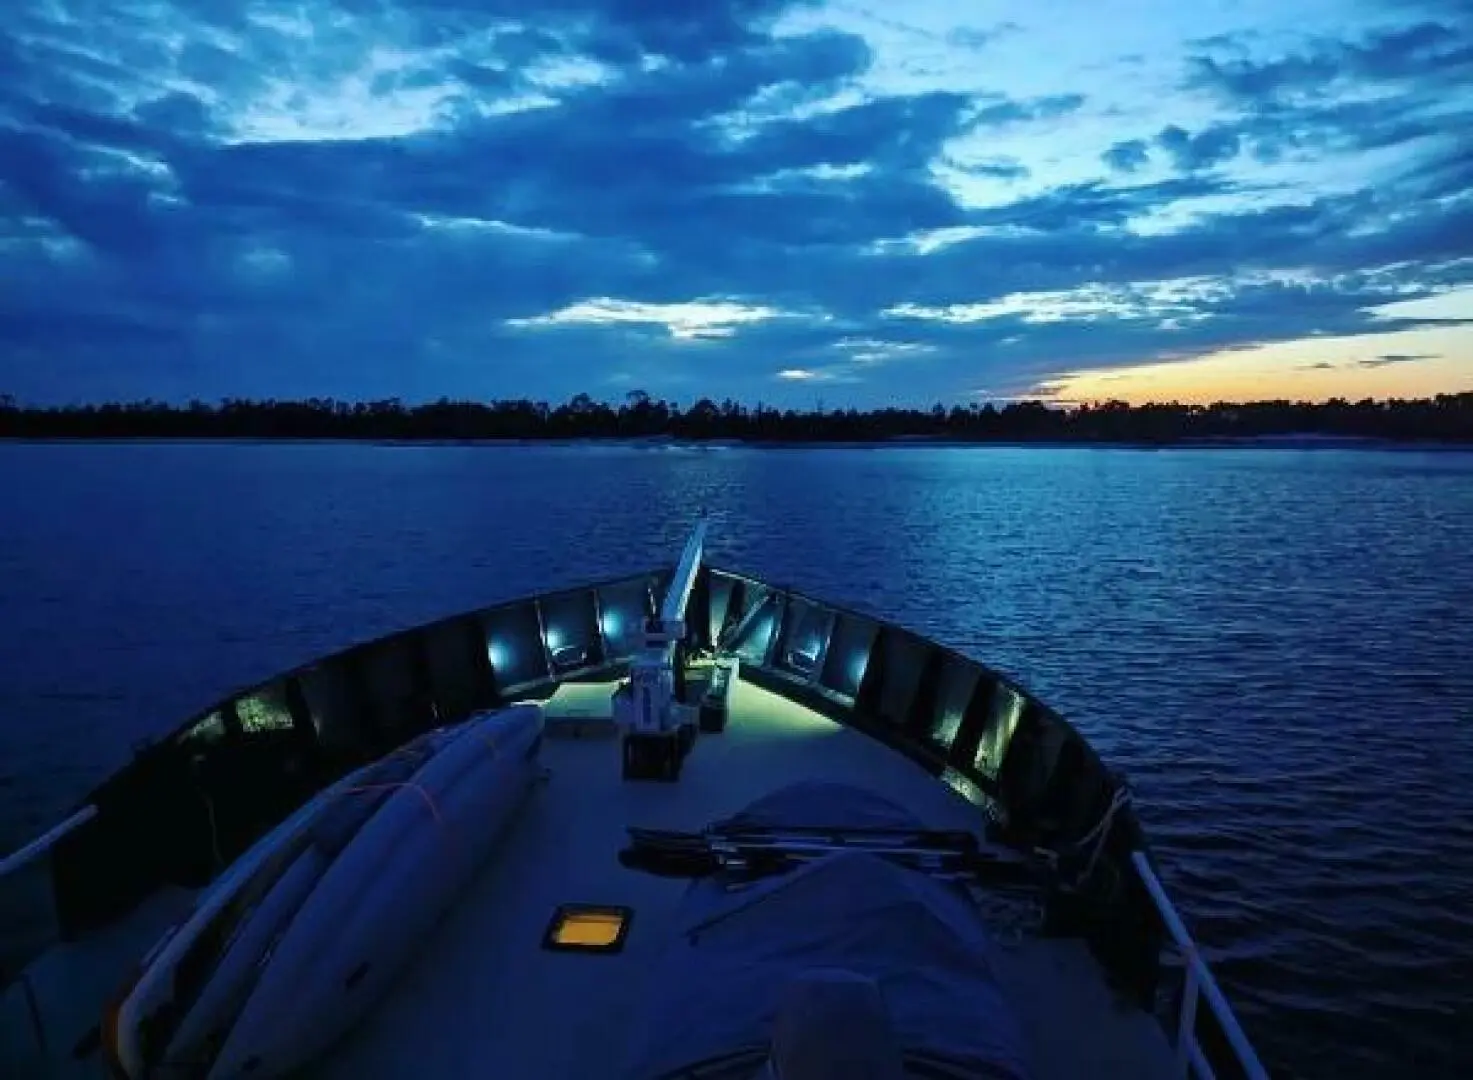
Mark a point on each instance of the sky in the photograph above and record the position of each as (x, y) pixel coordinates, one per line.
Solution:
(793, 202)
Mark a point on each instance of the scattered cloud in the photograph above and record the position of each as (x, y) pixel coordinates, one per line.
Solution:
(999, 169)
(1127, 155)
(694, 321)
(1049, 107)
(1397, 358)
(875, 351)
(1188, 152)
(979, 38)
(426, 197)
(1383, 88)
(1422, 51)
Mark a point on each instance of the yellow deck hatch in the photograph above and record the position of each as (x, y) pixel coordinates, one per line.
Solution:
(597, 928)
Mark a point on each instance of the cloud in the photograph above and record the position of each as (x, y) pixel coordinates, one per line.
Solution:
(1426, 51)
(1127, 155)
(1390, 86)
(979, 38)
(1398, 358)
(1208, 148)
(869, 351)
(1048, 107)
(694, 321)
(450, 196)
(1007, 169)
(1096, 203)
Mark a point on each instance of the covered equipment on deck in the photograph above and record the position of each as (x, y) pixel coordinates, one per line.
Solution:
(770, 970)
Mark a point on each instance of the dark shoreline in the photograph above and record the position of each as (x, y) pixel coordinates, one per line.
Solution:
(1443, 420)
(1307, 443)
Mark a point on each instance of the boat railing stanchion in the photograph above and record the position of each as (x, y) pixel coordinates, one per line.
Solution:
(11, 866)
(38, 1025)
(1186, 1040)
(1199, 983)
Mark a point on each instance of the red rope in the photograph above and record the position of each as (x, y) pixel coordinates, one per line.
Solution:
(429, 801)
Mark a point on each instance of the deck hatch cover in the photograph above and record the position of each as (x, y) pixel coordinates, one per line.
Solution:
(592, 928)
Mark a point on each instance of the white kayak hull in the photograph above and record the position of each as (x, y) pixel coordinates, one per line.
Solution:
(316, 922)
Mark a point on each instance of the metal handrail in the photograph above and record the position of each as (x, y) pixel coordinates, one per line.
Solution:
(1190, 1060)
(18, 859)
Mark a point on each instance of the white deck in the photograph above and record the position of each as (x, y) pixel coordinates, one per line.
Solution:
(485, 998)
(70, 985)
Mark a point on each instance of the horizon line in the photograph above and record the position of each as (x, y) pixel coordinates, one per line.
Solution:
(9, 403)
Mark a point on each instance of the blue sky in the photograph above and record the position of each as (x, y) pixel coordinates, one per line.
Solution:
(770, 200)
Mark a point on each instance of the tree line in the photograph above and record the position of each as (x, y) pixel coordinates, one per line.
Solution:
(1444, 418)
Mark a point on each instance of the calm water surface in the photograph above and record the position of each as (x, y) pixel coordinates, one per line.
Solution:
(1276, 645)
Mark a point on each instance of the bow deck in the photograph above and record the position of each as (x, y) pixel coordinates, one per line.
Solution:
(485, 995)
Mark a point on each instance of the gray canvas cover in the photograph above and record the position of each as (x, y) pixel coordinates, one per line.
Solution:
(735, 955)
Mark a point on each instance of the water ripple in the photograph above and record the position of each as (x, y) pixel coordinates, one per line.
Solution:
(1274, 645)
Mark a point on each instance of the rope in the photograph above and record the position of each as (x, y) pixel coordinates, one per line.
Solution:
(425, 795)
(1100, 833)
(478, 734)
(214, 828)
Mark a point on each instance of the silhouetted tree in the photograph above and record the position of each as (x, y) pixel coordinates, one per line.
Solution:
(1446, 417)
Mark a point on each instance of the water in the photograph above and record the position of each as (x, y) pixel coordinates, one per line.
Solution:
(1276, 645)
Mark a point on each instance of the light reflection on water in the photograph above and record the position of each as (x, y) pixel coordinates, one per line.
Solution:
(1275, 645)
